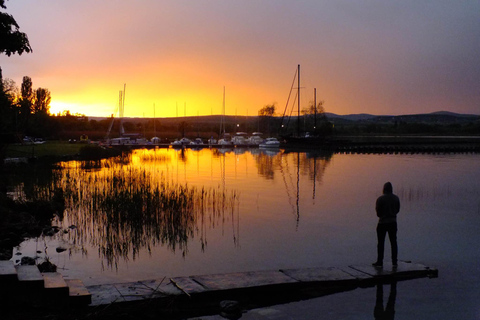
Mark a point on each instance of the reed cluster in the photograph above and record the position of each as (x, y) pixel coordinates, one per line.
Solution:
(121, 208)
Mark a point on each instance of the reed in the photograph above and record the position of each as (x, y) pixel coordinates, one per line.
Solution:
(121, 208)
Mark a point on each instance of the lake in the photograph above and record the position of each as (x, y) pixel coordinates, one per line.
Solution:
(167, 212)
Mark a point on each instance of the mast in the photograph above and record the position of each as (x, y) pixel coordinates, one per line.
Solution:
(315, 109)
(222, 122)
(121, 103)
(298, 106)
(154, 124)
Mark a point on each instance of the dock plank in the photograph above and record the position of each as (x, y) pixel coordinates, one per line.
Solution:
(105, 294)
(30, 277)
(326, 275)
(8, 273)
(404, 269)
(29, 273)
(78, 293)
(54, 280)
(55, 285)
(188, 285)
(161, 288)
(240, 280)
(134, 291)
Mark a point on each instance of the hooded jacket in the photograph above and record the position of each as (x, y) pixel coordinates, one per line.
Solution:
(387, 205)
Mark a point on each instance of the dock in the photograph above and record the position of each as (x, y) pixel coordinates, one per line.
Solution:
(203, 294)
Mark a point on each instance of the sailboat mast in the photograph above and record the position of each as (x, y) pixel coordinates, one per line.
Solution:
(154, 124)
(222, 122)
(124, 88)
(298, 106)
(315, 108)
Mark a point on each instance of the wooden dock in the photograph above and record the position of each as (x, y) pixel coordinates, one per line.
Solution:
(252, 289)
(27, 285)
(289, 282)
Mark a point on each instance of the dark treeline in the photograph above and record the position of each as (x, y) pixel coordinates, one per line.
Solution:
(421, 124)
(24, 111)
(72, 126)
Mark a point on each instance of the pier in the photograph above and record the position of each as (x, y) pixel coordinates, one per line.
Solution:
(196, 295)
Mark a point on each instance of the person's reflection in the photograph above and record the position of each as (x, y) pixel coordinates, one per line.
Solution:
(389, 312)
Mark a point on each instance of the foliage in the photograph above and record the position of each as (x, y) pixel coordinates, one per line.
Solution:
(312, 109)
(7, 114)
(11, 39)
(268, 110)
(42, 101)
(25, 103)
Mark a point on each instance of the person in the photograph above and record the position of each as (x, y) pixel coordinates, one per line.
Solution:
(387, 208)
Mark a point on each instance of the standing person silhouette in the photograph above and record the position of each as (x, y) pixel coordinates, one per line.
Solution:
(387, 207)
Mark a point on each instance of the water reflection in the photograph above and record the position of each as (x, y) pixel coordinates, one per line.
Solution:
(121, 206)
(382, 312)
(190, 212)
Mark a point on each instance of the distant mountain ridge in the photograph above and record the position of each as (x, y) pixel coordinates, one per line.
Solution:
(437, 117)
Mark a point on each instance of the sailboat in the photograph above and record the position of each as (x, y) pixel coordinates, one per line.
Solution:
(297, 138)
(155, 140)
(225, 138)
(122, 140)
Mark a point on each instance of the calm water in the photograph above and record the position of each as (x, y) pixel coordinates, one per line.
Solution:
(171, 213)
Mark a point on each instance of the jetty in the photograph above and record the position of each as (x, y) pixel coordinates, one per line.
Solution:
(196, 295)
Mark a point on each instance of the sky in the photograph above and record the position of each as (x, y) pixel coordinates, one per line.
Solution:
(176, 57)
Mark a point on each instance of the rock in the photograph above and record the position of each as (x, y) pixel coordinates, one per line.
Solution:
(47, 266)
(60, 249)
(27, 261)
(50, 231)
(230, 309)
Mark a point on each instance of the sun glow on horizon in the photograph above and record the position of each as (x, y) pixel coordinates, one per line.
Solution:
(139, 104)
(393, 59)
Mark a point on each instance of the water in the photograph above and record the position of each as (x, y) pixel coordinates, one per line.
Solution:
(270, 210)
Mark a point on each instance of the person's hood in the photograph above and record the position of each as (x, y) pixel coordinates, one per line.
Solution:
(387, 188)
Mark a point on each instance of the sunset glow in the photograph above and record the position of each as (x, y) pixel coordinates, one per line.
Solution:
(363, 57)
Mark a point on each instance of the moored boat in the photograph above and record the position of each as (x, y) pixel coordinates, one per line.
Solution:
(270, 143)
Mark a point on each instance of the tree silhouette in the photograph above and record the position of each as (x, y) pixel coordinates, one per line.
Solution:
(42, 101)
(268, 110)
(11, 39)
(26, 102)
(266, 114)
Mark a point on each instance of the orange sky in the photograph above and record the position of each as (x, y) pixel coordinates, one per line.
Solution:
(362, 56)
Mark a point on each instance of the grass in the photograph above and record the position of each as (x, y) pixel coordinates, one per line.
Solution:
(48, 149)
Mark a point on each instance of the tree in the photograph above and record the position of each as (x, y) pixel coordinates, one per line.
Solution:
(266, 114)
(42, 101)
(26, 102)
(311, 109)
(8, 121)
(26, 99)
(27, 91)
(267, 111)
(10, 90)
(11, 39)
(316, 119)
